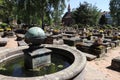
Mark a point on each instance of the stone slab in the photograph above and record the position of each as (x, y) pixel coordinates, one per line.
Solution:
(22, 43)
(115, 64)
(71, 41)
(90, 56)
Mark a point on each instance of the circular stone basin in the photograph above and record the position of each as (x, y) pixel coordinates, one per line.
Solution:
(74, 68)
(15, 67)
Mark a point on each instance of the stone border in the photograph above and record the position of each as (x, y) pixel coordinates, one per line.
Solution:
(76, 69)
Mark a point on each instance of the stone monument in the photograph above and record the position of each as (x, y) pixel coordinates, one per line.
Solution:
(36, 55)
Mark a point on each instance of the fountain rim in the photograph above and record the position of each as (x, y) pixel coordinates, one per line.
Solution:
(74, 69)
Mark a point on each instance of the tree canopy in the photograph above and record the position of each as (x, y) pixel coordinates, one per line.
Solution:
(33, 11)
(115, 11)
(86, 14)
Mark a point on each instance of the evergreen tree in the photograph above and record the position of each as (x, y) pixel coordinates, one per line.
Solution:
(115, 11)
(86, 14)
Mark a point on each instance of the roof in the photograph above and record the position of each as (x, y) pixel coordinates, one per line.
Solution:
(67, 15)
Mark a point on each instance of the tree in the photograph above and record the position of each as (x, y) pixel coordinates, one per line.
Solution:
(38, 9)
(115, 11)
(86, 14)
(6, 8)
(33, 11)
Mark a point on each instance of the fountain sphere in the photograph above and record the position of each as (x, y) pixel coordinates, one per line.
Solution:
(35, 36)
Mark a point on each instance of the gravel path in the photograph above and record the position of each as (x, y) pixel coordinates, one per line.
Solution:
(101, 66)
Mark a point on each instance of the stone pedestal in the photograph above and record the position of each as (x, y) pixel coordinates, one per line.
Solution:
(37, 57)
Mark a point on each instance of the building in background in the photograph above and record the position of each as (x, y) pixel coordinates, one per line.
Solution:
(108, 17)
(67, 19)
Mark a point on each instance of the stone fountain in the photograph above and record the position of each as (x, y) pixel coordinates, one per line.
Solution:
(36, 55)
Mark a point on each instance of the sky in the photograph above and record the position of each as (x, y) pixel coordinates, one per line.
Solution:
(103, 5)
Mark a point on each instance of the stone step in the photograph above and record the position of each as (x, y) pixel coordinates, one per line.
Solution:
(90, 56)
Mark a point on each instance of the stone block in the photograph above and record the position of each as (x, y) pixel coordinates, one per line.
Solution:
(115, 64)
(99, 52)
(36, 58)
(117, 42)
(71, 41)
(69, 35)
(49, 40)
(59, 36)
(20, 37)
(90, 56)
(22, 43)
(3, 41)
(70, 32)
(83, 47)
(112, 45)
(8, 34)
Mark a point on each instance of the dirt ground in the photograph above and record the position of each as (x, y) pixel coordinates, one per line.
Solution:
(103, 64)
(12, 43)
(100, 64)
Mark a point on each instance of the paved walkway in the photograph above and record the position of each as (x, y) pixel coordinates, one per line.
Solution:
(11, 43)
(93, 73)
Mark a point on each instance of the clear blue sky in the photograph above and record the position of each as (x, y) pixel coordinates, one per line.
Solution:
(103, 5)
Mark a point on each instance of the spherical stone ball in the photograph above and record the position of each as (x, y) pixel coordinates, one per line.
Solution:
(35, 36)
